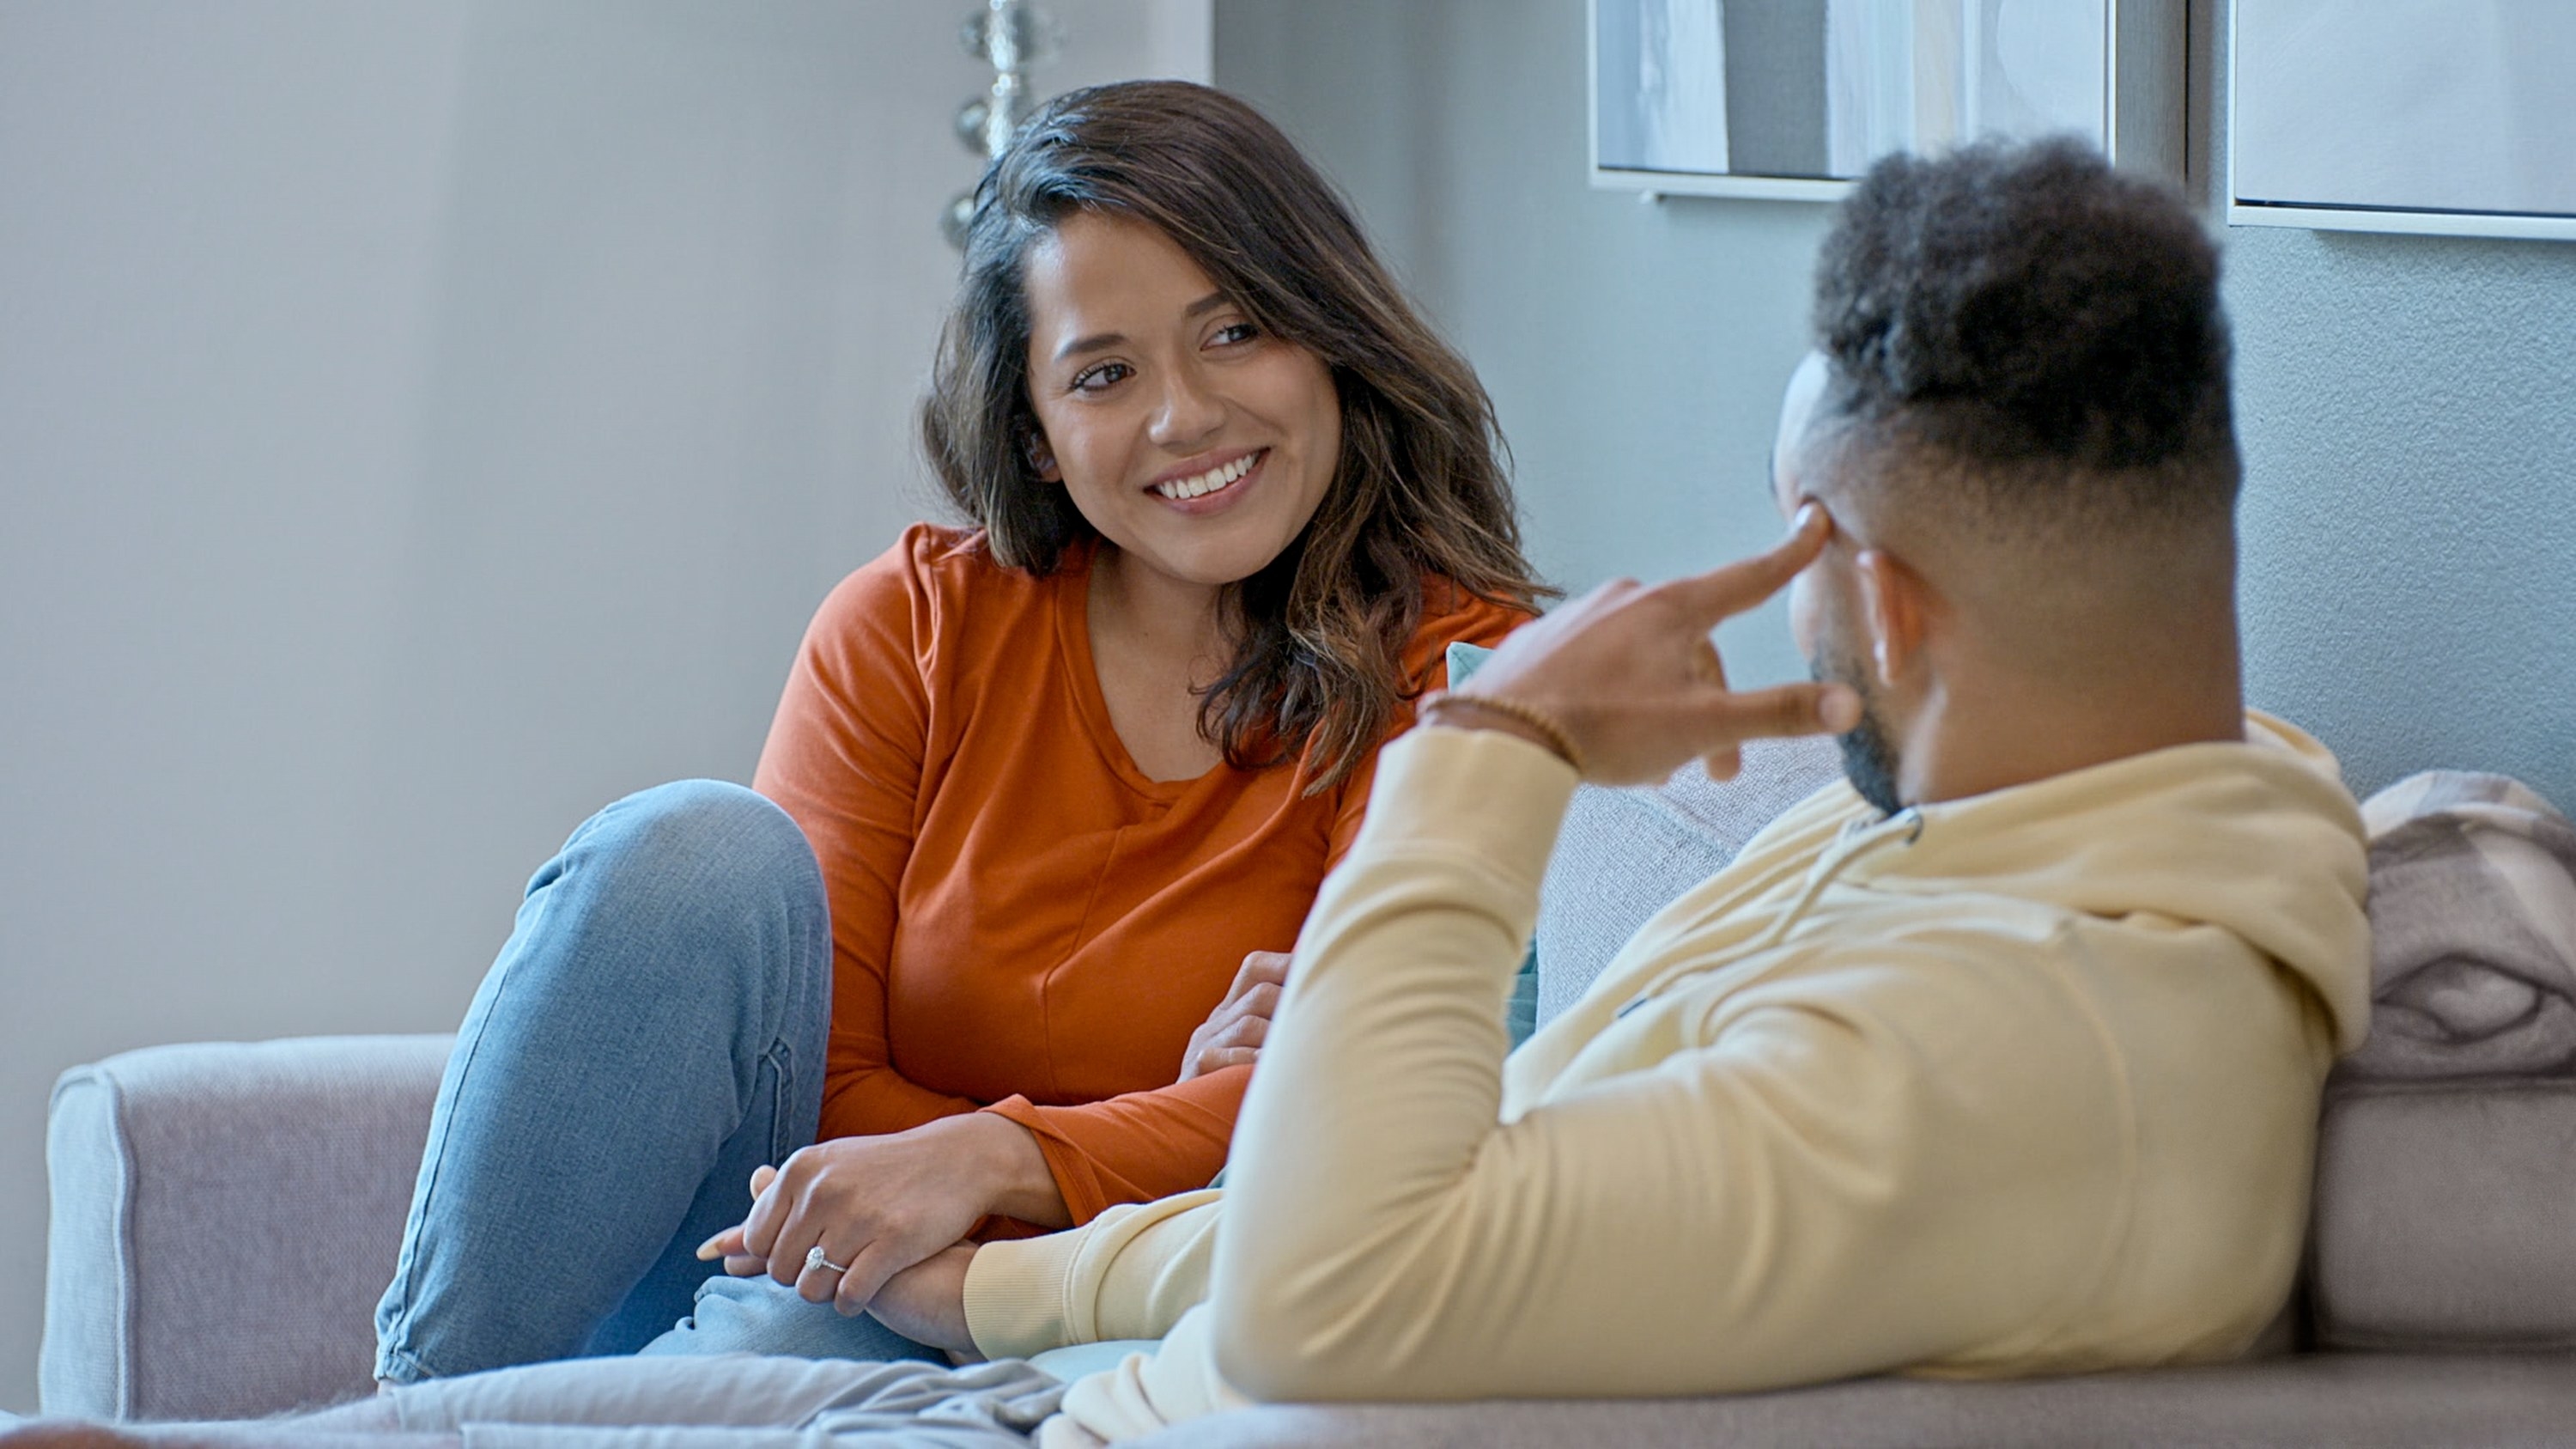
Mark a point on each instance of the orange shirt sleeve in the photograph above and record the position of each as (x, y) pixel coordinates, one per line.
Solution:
(844, 760)
(1136, 1147)
(1145, 1145)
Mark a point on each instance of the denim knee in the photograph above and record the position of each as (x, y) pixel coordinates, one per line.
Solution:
(698, 902)
(712, 839)
(705, 863)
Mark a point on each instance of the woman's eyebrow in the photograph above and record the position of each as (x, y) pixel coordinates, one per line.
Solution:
(1097, 342)
(1101, 341)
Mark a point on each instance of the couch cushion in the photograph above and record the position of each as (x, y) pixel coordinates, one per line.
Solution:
(1624, 854)
(2351, 1401)
(2446, 1216)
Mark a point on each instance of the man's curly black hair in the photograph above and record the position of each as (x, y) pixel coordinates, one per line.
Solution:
(2048, 325)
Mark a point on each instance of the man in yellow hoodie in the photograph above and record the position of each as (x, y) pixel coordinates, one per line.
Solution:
(2003, 1058)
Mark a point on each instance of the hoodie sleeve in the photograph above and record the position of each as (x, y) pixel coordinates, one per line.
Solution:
(1129, 1273)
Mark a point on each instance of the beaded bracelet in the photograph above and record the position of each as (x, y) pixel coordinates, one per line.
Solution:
(1557, 739)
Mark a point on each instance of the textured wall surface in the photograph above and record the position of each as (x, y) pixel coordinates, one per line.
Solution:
(2408, 411)
(2407, 404)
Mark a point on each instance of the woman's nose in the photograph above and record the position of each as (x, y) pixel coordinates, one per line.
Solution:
(1190, 413)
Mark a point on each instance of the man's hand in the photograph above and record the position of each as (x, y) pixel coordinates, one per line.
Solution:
(1233, 1033)
(1628, 672)
(879, 1205)
(927, 1301)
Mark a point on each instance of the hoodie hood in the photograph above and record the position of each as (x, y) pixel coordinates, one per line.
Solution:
(2260, 839)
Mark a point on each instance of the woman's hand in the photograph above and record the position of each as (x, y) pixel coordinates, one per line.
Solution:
(927, 1302)
(1629, 675)
(1233, 1033)
(879, 1205)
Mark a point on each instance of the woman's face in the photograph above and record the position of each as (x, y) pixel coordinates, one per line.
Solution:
(1194, 441)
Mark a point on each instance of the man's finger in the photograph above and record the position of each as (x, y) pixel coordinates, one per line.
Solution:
(1722, 593)
(1724, 763)
(1783, 712)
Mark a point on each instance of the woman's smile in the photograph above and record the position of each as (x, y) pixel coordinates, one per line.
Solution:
(1197, 490)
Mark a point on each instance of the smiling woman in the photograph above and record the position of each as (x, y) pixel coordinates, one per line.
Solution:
(1044, 797)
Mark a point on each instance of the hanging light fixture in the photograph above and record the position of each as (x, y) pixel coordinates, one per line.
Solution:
(1013, 37)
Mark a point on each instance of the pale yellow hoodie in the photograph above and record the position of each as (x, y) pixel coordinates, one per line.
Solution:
(2022, 1083)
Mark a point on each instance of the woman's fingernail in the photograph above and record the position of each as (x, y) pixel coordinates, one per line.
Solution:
(1808, 514)
(1839, 709)
(712, 1248)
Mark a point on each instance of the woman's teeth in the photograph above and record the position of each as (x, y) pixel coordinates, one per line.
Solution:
(1211, 480)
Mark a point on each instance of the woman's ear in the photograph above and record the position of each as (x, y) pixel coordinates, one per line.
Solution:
(1894, 610)
(1042, 459)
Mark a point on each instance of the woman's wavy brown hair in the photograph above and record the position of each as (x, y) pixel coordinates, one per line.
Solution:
(1419, 494)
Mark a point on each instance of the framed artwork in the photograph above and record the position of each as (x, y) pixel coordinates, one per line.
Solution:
(1793, 98)
(2448, 117)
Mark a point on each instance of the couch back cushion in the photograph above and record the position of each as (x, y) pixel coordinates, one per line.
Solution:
(1624, 854)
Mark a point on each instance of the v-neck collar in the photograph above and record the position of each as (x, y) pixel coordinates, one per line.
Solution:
(1072, 585)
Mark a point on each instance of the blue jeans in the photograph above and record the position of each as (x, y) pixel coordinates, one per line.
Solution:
(653, 1031)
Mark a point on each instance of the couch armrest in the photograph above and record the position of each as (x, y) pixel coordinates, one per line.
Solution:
(225, 1215)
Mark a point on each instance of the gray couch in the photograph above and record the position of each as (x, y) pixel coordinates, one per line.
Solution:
(224, 1216)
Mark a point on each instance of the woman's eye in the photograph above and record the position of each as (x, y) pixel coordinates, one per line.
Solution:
(1093, 379)
(1237, 332)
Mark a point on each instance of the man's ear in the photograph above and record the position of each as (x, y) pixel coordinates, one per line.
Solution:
(1896, 611)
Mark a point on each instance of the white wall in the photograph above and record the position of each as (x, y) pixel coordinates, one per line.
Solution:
(421, 422)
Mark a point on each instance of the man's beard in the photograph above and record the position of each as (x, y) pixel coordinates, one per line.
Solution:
(1870, 760)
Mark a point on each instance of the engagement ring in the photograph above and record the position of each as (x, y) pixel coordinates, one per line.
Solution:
(814, 1259)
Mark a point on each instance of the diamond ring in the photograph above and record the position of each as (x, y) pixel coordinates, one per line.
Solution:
(814, 1259)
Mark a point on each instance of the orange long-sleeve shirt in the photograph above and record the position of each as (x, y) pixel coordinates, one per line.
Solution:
(1021, 920)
